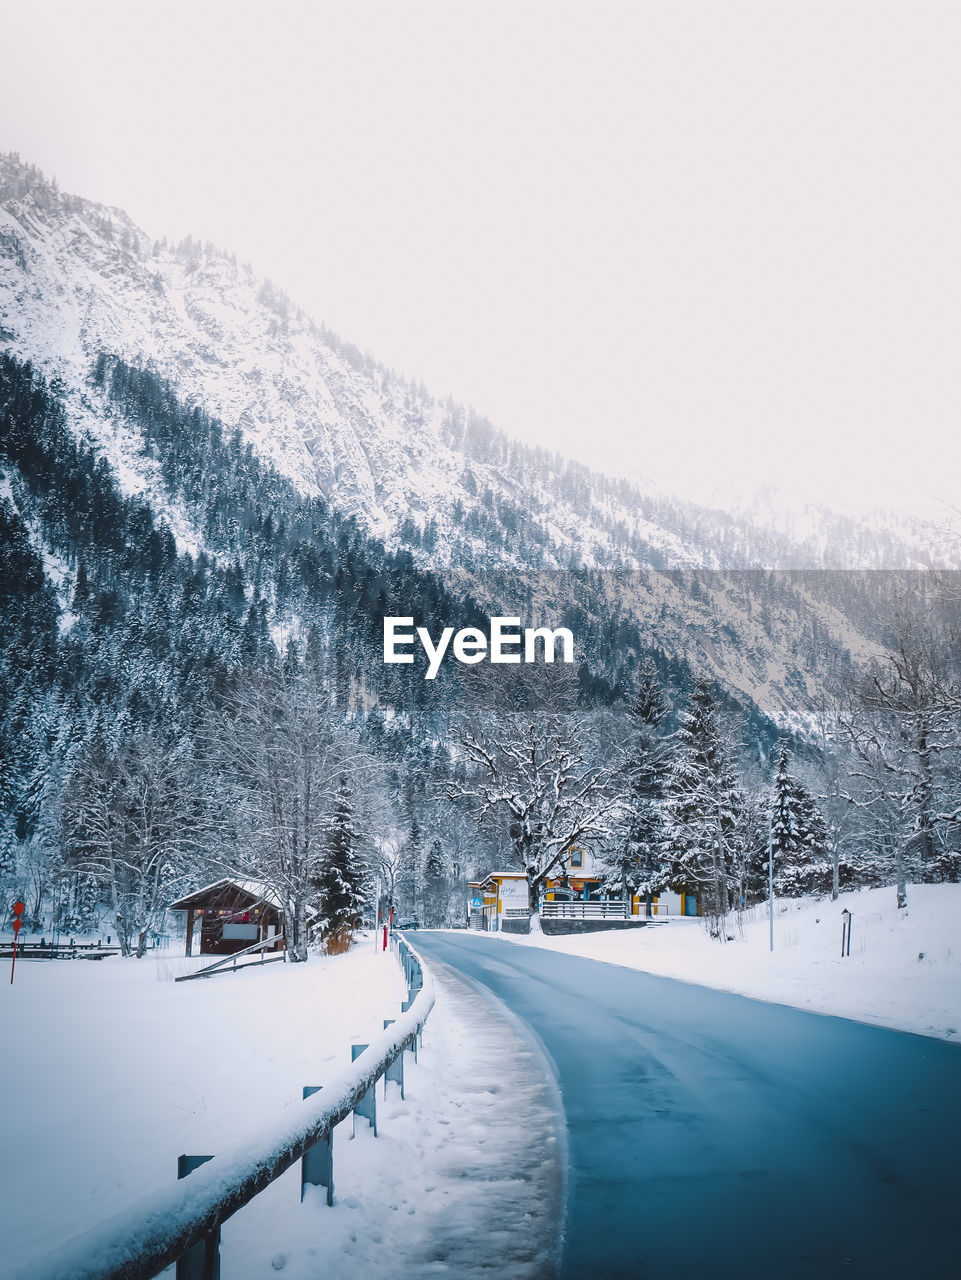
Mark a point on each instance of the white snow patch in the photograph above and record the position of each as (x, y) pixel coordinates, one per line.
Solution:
(904, 970)
(118, 1070)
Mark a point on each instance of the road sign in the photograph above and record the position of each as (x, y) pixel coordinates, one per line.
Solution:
(18, 910)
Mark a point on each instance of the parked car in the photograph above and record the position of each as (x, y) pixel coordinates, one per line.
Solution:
(408, 922)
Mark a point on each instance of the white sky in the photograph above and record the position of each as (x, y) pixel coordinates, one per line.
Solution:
(716, 243)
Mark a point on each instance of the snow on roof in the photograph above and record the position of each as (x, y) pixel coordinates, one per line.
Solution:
(502, 875)
(259, 891)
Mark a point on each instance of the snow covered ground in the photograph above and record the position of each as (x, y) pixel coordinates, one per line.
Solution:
(115, 1070)
(904, 969)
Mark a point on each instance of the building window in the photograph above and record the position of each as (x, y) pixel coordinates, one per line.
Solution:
(577, 857)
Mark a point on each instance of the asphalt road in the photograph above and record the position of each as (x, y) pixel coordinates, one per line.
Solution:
(714, 1136)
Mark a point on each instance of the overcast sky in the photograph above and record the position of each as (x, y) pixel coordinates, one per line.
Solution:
(715, 243)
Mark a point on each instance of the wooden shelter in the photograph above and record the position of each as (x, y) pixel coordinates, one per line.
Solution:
(233, 914)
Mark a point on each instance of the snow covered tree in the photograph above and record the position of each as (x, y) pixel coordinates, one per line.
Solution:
(132, 817)
(638, 851)
(385, 863)
(8, 857)
(702, 808)
(535, 775)
(436, 887)
(341, 880)
(410, 870)
(798, 836)
(279, 753)
(902, 727)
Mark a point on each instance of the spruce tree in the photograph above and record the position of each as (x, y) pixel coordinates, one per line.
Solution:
(639, 859)
(341, 883)
(702, 808)
(798, 836)
(435, 892)
(411, 870)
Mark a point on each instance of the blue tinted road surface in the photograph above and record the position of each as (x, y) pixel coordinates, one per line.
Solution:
(713, 1136)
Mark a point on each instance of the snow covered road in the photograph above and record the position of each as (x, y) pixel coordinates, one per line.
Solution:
(711, 1134)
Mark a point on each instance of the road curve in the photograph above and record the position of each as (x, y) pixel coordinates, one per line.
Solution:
(712, 1136)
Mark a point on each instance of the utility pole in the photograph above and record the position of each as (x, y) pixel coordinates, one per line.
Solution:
(770, 877)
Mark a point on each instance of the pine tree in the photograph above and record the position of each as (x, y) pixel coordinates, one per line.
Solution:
(648, 771)
(703, 807)
(341, 883)
(638, 857)
(8, 856)
(411, 870)
(435, 887)
(798, 836)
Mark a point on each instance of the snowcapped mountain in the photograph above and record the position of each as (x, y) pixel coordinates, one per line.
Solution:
(89, 300)
(78, 280)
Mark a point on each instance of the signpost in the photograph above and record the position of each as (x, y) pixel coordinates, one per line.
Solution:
(18, 910)
(846, 918)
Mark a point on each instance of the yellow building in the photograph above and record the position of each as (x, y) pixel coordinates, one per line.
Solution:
(500, 900)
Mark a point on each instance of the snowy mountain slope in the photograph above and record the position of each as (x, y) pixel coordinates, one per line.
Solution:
(78, 279)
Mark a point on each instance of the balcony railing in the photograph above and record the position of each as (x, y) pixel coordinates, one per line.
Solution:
(586, 910)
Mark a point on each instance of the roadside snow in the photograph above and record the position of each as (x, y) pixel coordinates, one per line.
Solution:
(465, 1178)
(112, 1070)
(904, 970)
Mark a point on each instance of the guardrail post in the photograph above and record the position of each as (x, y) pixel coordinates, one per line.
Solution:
(404, 1006)
(202, 1260)
(396, 1069)
(317, 1162)
(367, 1106)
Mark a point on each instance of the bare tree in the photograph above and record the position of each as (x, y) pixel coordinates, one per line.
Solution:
(903, 721)
(285, 752)
(536, 774)
(134, 821)
(385, 863)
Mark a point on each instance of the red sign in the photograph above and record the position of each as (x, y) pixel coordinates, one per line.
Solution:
(18, 910)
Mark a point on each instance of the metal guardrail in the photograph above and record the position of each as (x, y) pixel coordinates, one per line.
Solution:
(182, 1223)
(220, 966)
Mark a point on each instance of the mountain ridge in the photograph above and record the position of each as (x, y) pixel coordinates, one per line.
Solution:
(79, 279)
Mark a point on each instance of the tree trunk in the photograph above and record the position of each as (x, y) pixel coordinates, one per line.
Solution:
(533, 904)
(902, 877)
(297, 942)
(122, 937)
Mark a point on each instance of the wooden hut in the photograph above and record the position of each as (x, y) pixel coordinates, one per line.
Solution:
(233, 914)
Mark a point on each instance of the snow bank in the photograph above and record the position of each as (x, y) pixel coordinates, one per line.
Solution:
(465, 1178)
(904, 970)
(117, 1070)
